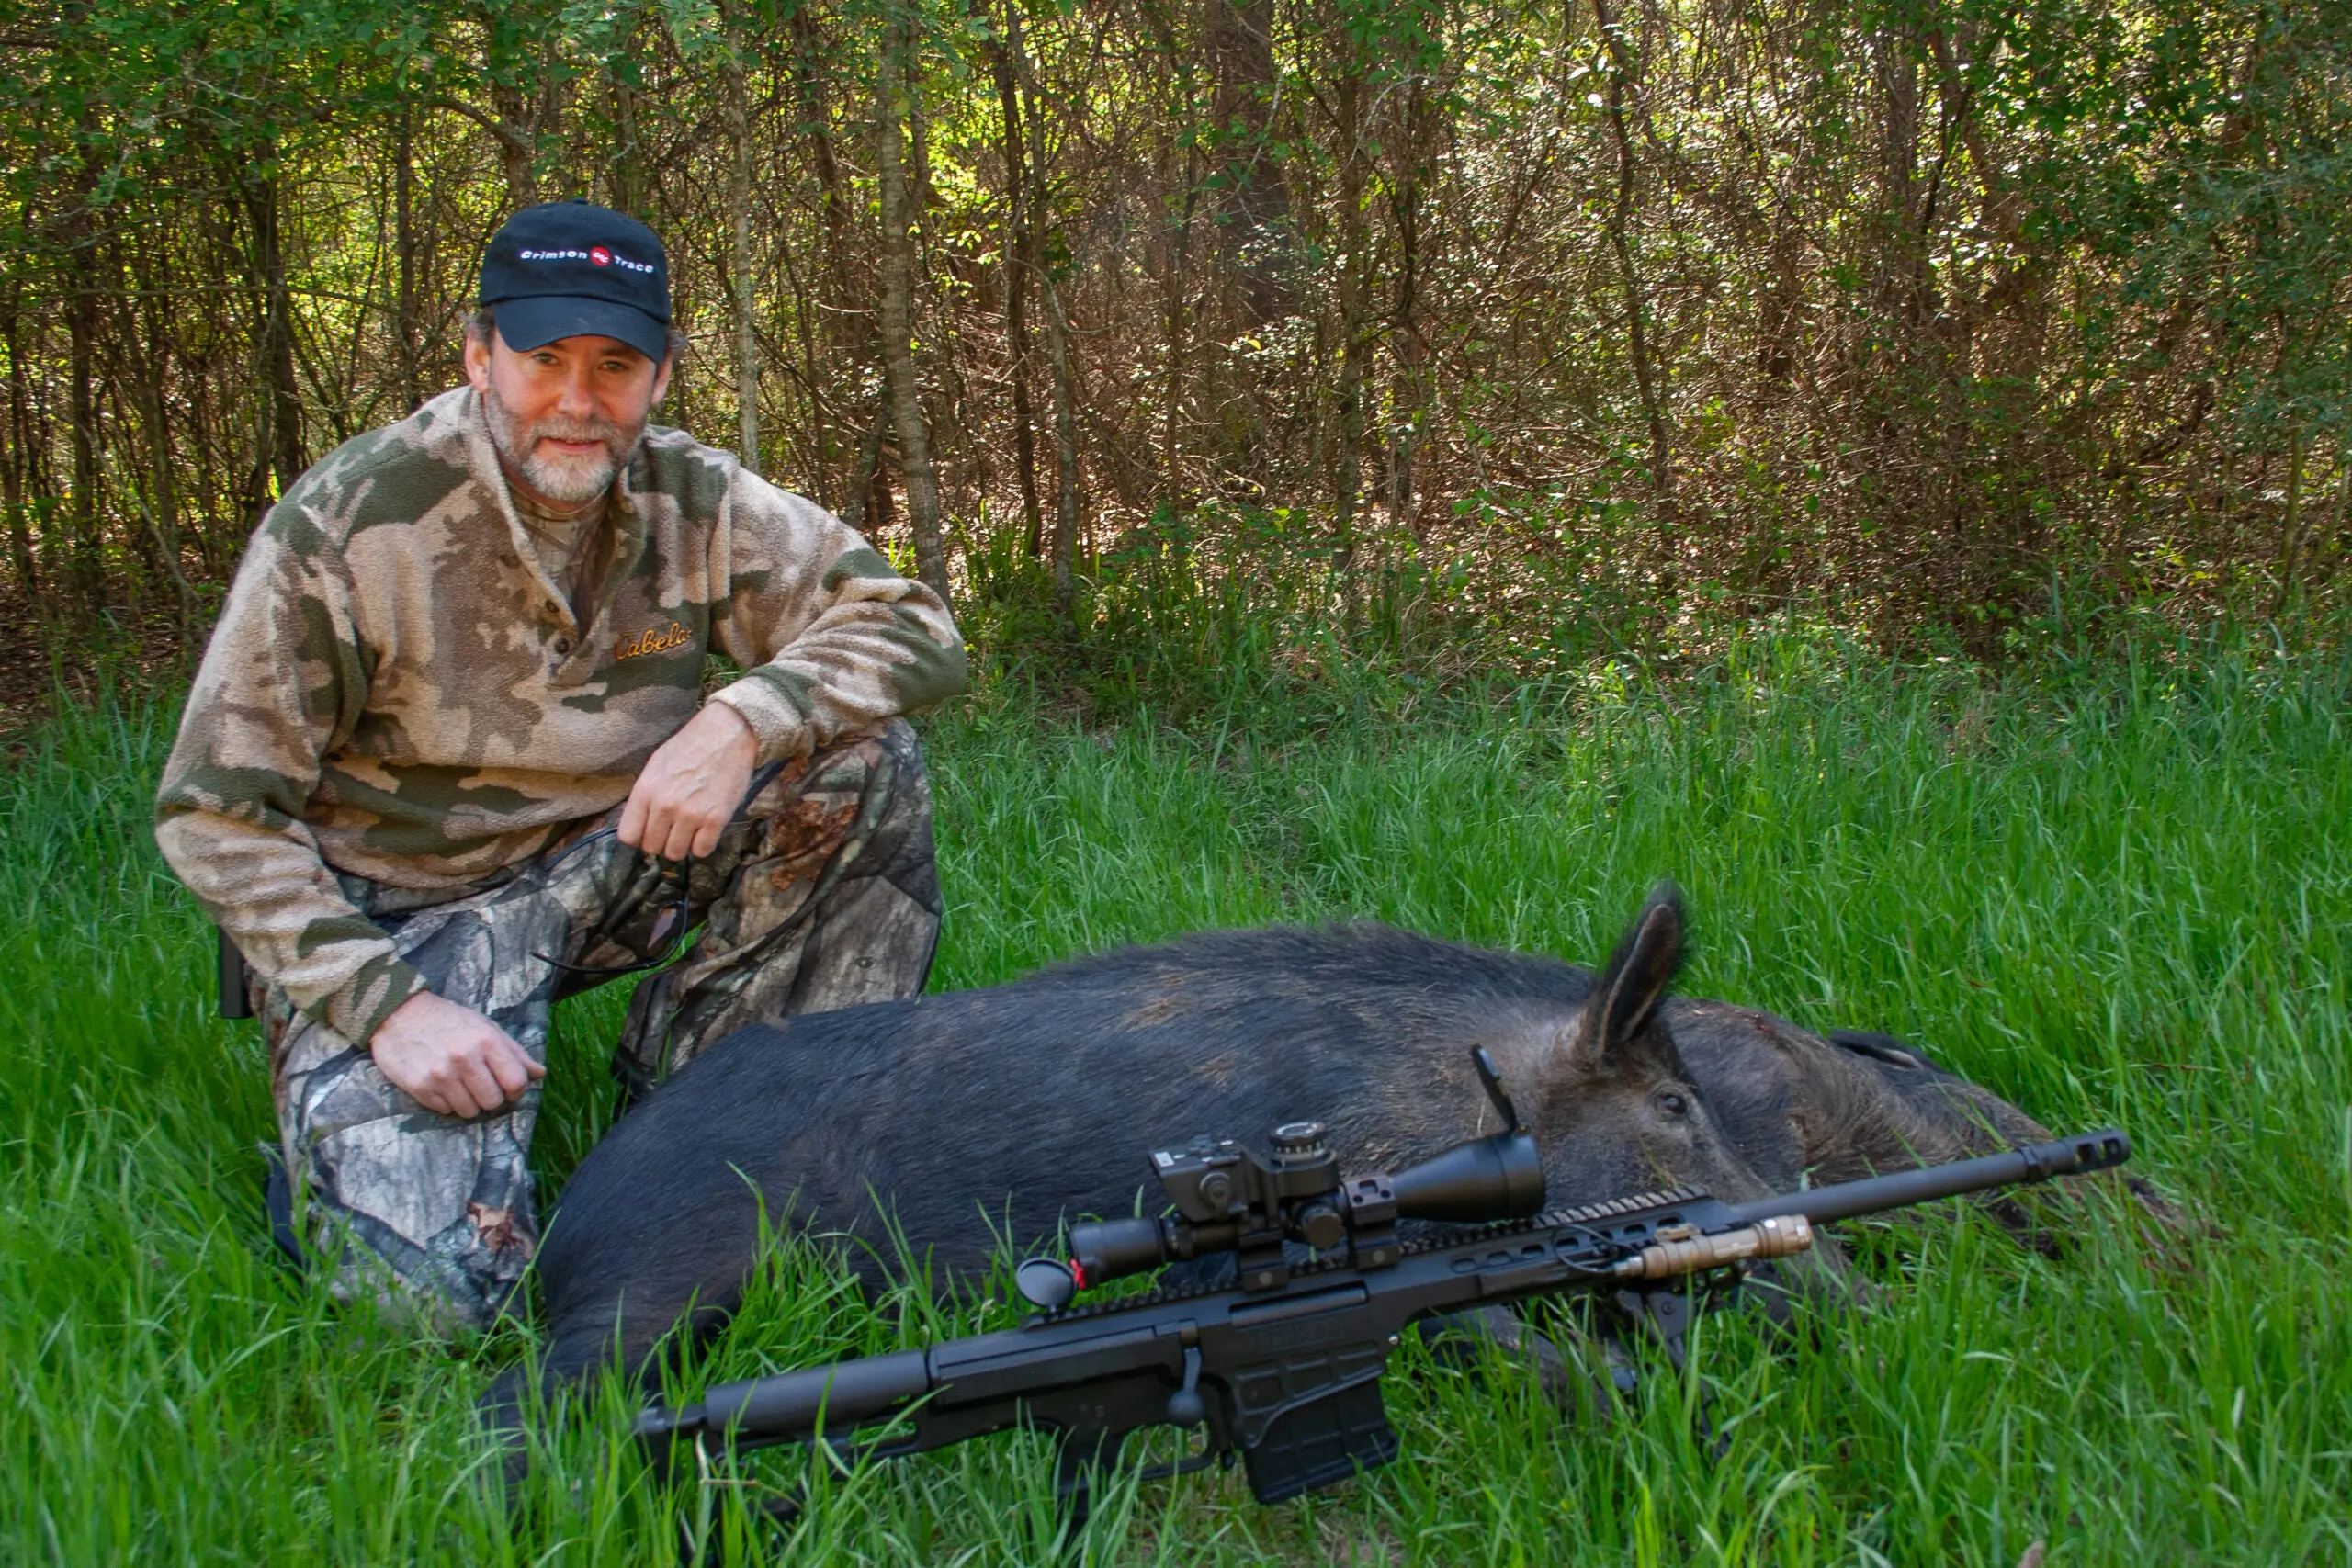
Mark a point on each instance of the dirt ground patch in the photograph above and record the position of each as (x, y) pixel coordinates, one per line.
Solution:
(52, 659)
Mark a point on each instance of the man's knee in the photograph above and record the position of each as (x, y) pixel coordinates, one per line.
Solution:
(428, 1216)
(860, 809)
(832, 900)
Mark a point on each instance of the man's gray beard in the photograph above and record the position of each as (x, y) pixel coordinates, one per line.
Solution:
(563, 480)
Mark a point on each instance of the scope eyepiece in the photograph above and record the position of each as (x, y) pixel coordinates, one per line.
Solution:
(1106, 1249)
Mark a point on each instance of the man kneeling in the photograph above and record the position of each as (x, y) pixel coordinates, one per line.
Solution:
(447, 760)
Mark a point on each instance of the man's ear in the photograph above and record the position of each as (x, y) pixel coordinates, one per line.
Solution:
(661, 377)
(478, 362)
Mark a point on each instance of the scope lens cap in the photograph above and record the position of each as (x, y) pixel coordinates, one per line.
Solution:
(1046, 1283)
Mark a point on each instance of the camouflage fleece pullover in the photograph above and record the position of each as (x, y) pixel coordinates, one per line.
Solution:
(396, 691)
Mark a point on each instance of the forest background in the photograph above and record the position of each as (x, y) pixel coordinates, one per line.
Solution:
(1491, 333)
(1885, 464)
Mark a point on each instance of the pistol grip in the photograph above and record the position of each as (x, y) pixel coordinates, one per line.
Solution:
(1086, 1452)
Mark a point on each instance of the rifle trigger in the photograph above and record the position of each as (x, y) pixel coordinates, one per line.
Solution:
(1186, 1406)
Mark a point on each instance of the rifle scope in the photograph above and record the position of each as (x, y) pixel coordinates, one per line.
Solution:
(1229, 1198)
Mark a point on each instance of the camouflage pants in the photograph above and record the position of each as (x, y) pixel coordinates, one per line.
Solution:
(822, 894)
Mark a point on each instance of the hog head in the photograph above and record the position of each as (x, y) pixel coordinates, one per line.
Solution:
(1620, 1113)
(1617, 1111)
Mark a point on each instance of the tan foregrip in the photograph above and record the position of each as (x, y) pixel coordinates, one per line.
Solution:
(1673, 1255)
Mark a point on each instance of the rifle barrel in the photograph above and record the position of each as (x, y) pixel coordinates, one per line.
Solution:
(2077, 1155)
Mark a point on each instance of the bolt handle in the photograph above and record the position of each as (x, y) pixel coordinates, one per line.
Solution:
(1186, 1406)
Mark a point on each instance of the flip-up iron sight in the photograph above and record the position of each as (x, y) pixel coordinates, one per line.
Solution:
(1229, 1198)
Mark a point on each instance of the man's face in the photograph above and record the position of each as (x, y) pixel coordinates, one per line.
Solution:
(567, 414)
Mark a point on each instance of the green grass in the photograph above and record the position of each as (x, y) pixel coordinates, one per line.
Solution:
(2116, 891)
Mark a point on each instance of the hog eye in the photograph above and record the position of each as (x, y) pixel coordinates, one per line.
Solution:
(1673, 1104)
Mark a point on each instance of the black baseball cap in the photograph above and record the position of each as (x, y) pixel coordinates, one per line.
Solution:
(572, 269)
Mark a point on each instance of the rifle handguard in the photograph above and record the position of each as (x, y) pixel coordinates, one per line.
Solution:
(1673, 1255)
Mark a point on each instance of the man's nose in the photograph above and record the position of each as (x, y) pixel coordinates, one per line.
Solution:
(575, 393)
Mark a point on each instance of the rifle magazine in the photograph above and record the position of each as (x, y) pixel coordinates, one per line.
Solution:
(1321, 1443)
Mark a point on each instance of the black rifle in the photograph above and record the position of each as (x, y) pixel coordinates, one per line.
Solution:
(1285, 1366)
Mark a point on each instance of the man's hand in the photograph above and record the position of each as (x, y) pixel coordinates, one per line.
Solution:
(691, 788)
(450, 1058)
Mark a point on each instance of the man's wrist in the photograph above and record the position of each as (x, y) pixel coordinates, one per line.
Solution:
(736, 729)
(361, 1007)
(778, 724)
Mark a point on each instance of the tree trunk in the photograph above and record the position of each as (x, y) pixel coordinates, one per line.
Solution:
(897, 304)
(1902, 252)
(867, 510)
(404, 321)
(2290, 546)
(15, 473)
(848, 321)
(150, 368)
(2343, 499)
(1177, 311)
(1177, 283)
(631, 188)
(1254, 245)
(1625, 71)
(1020, 260)
(516, 132)
(1411, 349)
(747, 340)
(1067, 507)
(1066, 497)
(284, 424)
(1349, 475)
(85, 563)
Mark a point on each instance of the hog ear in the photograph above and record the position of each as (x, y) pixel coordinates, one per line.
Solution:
(1638, 972)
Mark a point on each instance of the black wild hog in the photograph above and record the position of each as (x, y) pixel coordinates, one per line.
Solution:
(1035, 1101)
(1039, 1099)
